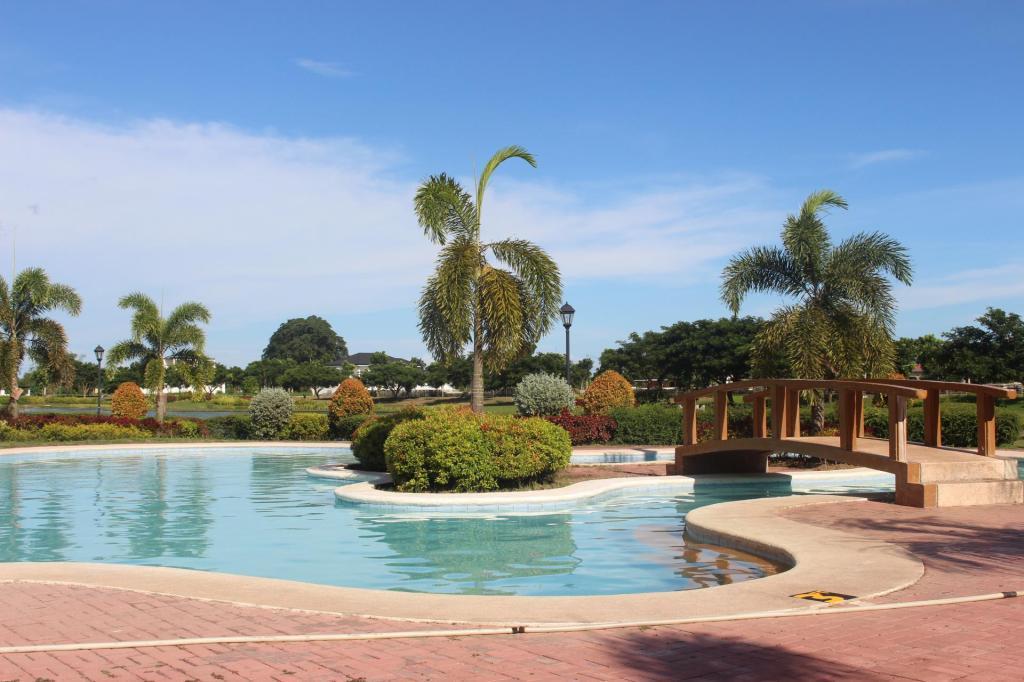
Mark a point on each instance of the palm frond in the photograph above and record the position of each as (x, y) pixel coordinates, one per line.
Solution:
(759, 269)
(501, 314)
(540, 275)
(874, 251)
(805, 237)
(445, 210)
(499, 157)
(127, 351)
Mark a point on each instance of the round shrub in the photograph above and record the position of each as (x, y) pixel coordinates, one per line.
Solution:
(609, 390)
(129, 401)
(458, 450)
(306, 426)
(350, 398)
(542, 395)
(270, 411)
(368, 439)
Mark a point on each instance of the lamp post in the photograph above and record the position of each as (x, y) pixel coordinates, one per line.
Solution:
(99, 377)
(567, 311)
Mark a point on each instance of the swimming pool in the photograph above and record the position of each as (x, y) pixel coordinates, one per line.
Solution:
(254, 511)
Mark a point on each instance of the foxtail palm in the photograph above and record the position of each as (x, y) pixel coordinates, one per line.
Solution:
(156, 339)
(26, 331)
(497, 312)
(841, 321)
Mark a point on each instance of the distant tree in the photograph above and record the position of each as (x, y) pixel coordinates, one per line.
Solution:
(394, 375)
(268, 373)
(306, 339)
(470, 303)
(460, 373)
(436, 375)
(992, 352)
(313, 376)
(25, 330)
(841, 318)
(157, 339)
(922, 350)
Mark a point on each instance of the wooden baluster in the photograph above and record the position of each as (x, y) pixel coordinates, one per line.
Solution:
(779, 394)
(760, 415)
(986, 425)
(932, 419)
(898, 428)
(721, 416)
(793, 413)
(689, 421)
(858, 413)
(847, 419)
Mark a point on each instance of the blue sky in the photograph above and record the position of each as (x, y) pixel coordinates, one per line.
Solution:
(261, 156)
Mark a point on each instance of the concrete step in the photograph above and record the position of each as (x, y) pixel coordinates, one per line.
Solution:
(967, 493)
(981, 468)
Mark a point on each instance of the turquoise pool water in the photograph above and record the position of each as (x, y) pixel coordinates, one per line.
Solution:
(256, 512)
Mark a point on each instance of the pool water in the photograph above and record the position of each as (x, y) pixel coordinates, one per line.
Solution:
(254, 511)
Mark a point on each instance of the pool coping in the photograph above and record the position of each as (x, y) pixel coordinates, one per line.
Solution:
(365, 493)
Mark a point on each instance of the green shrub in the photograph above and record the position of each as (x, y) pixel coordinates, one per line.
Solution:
(65, 432)
(270, 410)
(343, 428)
(457, 450)
(651, 424)
(230, 427)
(188, 428)
(543, 395)
(959, 425)
(306, 426)
(368, 439)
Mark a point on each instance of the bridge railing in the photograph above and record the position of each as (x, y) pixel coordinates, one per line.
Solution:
(784, 395)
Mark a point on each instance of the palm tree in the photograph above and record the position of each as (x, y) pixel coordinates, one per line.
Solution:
(25, 330)
(501, 313)
(156, 339)
(841, 323)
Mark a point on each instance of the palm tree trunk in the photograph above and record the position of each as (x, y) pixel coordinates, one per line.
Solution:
(161, 404)
(12, 404)
(476, 387)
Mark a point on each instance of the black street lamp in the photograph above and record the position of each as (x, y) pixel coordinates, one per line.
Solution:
(567, 311)
(99, 377)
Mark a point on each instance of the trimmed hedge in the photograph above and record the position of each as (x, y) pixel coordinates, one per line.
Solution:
(652, 424)
(129, 401)
(179, 428)
(343, 428)
(368, 439)
(306, 426)
(73, 432)
(959, 425)
(230, 427)
(458, 450)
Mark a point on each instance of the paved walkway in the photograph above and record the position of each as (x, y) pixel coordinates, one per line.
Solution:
(965, 550)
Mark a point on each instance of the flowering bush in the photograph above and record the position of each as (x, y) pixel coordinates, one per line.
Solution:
(129, 401)
(271, 411)
(585, 429)
(350, 398)
(541, 395)
(610, 389)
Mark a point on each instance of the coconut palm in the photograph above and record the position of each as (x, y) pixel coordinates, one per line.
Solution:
(156, 340)
(498, 312)
(841, 321)
(26, 331)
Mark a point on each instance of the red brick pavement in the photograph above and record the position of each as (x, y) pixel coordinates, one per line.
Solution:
(966, 551)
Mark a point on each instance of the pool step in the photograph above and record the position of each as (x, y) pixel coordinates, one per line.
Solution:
(981, 468)
(967, 493)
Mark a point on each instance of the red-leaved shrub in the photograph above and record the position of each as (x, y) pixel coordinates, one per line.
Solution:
(585, 429)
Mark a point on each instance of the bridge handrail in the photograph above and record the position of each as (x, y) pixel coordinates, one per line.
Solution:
(952, 386)
(865, 385)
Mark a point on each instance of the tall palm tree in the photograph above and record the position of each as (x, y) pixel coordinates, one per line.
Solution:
(841, 322)
(25, 329)
(156, 339)
(499, 313)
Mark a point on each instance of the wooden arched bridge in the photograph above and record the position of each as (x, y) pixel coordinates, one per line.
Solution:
(927, 473)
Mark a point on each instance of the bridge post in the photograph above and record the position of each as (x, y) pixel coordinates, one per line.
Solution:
(760, 415)
(986, 425)
(848, 419)
(898, 427)
(932, 419)
(721, 416)
(793, 413)
(779, 394)
(689, 421)
(858, 413)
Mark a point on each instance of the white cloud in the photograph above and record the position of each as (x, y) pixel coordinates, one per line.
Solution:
(328, 69)
(262, 227)
(990, 284)
(883, 156)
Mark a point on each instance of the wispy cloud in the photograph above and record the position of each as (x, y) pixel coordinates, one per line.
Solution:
(991, 284)
(327, 69)
(883, 156)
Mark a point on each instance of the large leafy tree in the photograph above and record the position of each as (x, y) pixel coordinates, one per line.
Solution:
(313, 376)
(840, 318)
(155, 340)
(25, 329)
(498, 313)
(306, 339)
(991, 351)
